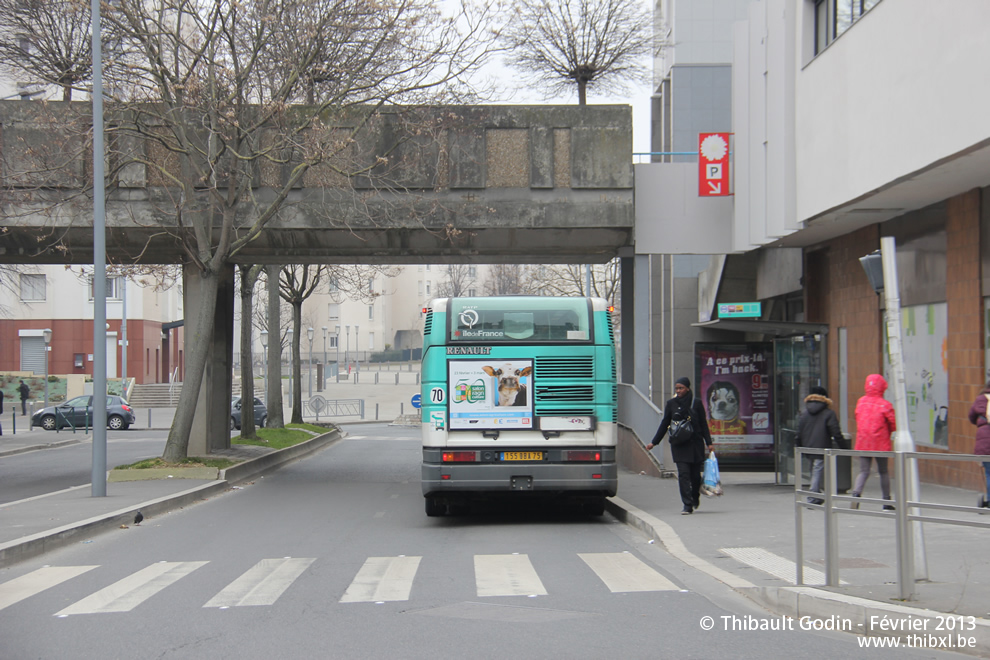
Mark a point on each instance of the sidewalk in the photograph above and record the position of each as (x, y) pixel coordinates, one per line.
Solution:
(746, 539)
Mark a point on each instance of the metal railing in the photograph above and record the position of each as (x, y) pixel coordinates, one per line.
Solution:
(638, 413)
(906, 514)
(171, 385)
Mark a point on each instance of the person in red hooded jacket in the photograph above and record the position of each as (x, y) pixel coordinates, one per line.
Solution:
(874, 423)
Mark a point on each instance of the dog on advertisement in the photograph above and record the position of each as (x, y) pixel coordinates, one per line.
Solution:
(723, 409)
(510, 391)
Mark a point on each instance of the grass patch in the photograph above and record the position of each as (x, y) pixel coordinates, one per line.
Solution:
(291, 435)
(192, 461)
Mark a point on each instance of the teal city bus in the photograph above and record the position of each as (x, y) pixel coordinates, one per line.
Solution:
(519, 396)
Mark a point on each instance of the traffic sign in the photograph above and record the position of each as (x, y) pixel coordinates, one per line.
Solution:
(417, 400)
(713, 164)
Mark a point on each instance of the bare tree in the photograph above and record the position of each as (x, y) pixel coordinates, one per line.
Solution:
(573, 280)
(213, 88)
(47, 41)
(249, 277)
(599, 43)
(505, 280)
(459, 279)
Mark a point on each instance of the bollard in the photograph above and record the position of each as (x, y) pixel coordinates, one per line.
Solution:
(13, 423)
(402, 408)
(376, 412)
(149, 418)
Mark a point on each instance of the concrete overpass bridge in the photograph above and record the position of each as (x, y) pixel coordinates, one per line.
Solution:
(491, 184)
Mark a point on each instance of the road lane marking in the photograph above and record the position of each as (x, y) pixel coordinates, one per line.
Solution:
(777, 566)
(124, 595)
(506, 575)
(262, 584)
(37, 581)
(382, 579)
(622, 572)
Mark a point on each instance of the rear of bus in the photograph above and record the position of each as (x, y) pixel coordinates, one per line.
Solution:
(519, 397)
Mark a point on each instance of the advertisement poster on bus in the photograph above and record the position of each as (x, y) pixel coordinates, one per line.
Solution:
(734, 382)
(490, 394)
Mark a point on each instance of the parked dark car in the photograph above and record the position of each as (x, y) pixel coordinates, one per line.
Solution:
(78, 412)
(260, 413)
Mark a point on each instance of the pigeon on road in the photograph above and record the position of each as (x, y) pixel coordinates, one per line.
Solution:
(138, 518)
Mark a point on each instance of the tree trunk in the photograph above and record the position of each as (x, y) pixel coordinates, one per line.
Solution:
(273, 399)
(249, 275)
(582, 92)
(296, 363)
(197, 350)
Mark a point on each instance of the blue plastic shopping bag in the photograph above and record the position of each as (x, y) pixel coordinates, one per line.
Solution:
(712, 481)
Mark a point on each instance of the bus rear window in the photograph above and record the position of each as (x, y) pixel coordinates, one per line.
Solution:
(520, 319)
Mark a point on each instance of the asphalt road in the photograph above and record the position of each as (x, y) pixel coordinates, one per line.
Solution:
(333, 556)
(39, 472)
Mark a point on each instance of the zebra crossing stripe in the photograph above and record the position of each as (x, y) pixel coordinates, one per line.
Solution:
(382, 579)
(622, 572)
(37, 581)
(262, 584)
(779, 567)
(506, 575)
(124, 595)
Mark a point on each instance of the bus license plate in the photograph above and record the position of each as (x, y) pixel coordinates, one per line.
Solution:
(522, 455)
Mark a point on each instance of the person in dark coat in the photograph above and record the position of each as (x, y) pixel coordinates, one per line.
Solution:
(978, 416)
(689, 456)
(25, 392)
(818, 428)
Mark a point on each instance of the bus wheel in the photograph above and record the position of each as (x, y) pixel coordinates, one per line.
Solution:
(595, 506)
(435, 507)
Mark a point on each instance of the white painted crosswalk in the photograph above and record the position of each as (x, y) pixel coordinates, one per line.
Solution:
(378, 580)
(262, 584)
(126, 594)
(779, 567)
(382, 579)
(37, 581)
(506, 575)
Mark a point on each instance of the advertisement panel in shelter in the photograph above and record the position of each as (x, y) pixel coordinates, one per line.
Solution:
(490, 394)
(734, 381)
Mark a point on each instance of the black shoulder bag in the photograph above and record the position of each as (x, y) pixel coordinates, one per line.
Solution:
(681, 431)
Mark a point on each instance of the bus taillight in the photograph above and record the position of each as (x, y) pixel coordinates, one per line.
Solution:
(460, 456)
(583, 455)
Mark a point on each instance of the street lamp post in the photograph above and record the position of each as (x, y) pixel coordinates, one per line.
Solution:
(324, 358)
(292, 363)
(47, 333)
(264, 347)
(881, 270)
(347, 346)
(309, 335)
(357, 351)
(336, 357)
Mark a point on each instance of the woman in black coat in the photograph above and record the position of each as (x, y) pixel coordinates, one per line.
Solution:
(690, 455)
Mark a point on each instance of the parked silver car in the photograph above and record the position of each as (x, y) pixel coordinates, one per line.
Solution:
(78, 412)
(260, 413)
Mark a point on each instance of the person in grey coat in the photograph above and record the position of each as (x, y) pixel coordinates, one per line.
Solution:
(818, 428)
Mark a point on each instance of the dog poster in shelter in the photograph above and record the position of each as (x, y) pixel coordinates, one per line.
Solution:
(490, 394)
(734, 382)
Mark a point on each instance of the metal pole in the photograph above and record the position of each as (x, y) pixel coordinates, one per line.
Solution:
(831, 529)
(324, 358)
(46, 369)
(336, 357)
(902, 439)
(99, 468)
(123, 336)
(798, 528)
(905, 550)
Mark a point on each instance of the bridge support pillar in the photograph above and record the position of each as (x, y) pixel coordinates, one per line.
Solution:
(635, 334)
(211, 422)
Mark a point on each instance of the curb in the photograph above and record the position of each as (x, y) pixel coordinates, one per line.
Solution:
(48, 445)
(27, 547)
(851, 614)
